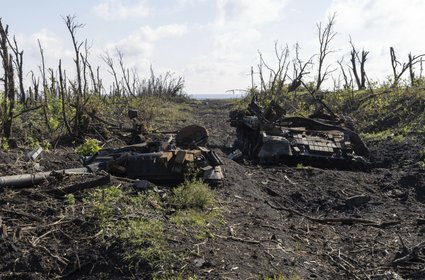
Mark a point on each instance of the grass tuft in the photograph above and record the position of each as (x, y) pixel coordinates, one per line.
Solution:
(192, 194)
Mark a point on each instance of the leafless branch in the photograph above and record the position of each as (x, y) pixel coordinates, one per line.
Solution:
(326, 34)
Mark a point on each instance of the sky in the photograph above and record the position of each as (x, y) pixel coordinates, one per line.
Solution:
(213, 43)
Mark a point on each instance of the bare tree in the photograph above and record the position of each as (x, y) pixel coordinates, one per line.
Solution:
(361, 60)
(277, 76)
(45, 88)
(125, 73)
(348, 83)
(326, 35)
(72, 27)
(36, 83)
(300, 69)
(62, 93)
(8, 82)
(110, 62)
(95, 81)
(19, 61)
(412, 60)
(84, 60)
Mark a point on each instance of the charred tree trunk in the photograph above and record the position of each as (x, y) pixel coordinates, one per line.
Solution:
(7, 125)
(361, 60)
(125, 74)
(8, 82)
(326, 35)
(412, 60)
(45, 89)
(411, 73)
(347, 82)
(72, 26)
(62, 92)
(19, 65)
(110, 62)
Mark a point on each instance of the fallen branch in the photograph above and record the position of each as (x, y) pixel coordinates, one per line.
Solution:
(84, 185)
(93, 116)
(26, 111)
(410, 254)
(237, 239)
(343, 267)
(344, 221)
(23, 214)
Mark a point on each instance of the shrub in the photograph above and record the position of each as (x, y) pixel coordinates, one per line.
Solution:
(88, 148)
(70, 199)
(4, 144)
(192, 194)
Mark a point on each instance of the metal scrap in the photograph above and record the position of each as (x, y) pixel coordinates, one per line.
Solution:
(157, 162)
(270, 136)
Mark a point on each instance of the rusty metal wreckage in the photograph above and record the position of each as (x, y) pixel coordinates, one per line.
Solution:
(321, 139)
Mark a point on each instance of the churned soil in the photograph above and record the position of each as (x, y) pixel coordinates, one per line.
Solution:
(297, 222)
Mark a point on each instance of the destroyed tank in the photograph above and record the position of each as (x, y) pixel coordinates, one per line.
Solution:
(320, 140)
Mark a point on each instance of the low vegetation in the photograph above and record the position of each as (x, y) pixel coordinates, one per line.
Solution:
(193, 194)
(137, 221)
(88, 148)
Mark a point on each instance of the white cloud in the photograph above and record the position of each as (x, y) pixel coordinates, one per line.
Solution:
(118, 10)
(153, 34)
(54, 48)
(139, 46)
(378, 24)
(52, 45)
(243, 13)
(234, 36)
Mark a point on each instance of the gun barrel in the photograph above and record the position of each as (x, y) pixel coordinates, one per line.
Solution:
(31, 179)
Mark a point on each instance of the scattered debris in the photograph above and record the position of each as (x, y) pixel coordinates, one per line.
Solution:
(33, 155)
(407, 255)
(357, 200)
(142, 185)
(192, 136)
(235, 155)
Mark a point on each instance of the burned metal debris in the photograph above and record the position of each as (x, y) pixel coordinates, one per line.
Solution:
(271, 137)
(153, 161)
(159, 163)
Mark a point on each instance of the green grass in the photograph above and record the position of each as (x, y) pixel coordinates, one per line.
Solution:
(70, 199)
(137, 221)
(379, 135)
(193, 217)
(176, 277)
(196, 223)
(146, 241)
(196, 214)
(383, 135)
(192, 194)
(122, 216)
(161, 112)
